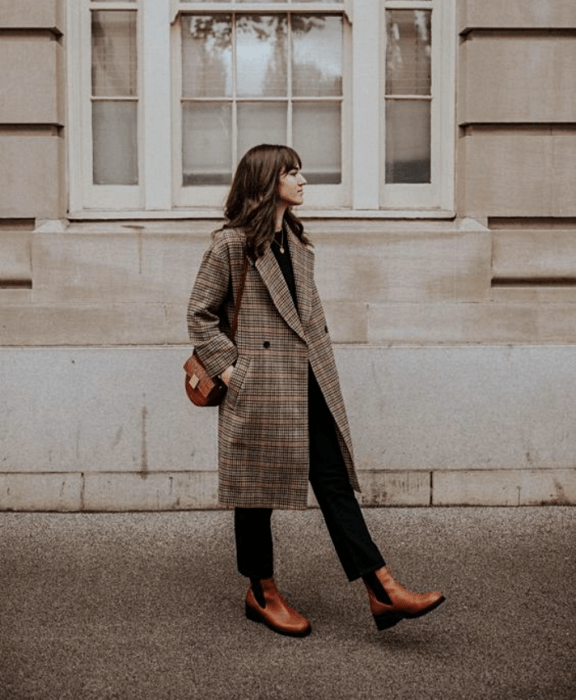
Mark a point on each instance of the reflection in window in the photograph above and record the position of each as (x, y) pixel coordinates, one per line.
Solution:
(261, 53)
(114, 98)
(255, 78)
(408, 96)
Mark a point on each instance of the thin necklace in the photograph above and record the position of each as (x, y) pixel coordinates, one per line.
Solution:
(281, 245)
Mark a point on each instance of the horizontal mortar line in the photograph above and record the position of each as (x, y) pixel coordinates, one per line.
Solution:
(31, 129)
(470, 127)
(85, 474)
(15, 284)
(17, 226)
(517, 33)
(531, 223)
(534, 282)
(49, 33)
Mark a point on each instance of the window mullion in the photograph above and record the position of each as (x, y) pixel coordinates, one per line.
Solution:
(156, 98)
(234, 94)
(290, 100)
(365, 105)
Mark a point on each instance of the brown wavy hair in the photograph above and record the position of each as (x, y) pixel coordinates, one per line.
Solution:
(253, 198)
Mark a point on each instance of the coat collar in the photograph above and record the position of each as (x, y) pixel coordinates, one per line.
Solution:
(303, 263)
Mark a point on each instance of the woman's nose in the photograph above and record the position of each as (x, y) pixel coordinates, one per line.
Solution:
(303, 180)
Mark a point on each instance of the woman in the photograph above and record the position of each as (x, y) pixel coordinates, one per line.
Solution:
(283, 421)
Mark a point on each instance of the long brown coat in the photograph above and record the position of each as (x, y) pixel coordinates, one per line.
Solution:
(263, 422)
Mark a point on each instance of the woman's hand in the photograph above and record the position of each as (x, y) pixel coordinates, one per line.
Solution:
(227, 374)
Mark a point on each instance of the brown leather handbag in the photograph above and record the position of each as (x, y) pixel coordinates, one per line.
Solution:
(201, 388)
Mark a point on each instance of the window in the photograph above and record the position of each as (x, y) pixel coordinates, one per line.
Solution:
(167, 95)
(248, 78)
(417, 135)
(114, 88)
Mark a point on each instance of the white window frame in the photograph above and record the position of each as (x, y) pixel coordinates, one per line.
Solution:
(363, 191)
(439, 193)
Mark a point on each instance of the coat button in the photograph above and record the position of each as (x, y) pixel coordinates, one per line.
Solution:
(266, 344)
(325, 329)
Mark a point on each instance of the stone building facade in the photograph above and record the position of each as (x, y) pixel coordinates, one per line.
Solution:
(441, 137)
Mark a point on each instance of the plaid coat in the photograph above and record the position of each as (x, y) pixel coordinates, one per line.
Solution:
(263, 451)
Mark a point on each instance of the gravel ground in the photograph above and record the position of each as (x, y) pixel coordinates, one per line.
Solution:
(148, 606)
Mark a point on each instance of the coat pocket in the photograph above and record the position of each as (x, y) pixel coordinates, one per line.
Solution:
(237, 381)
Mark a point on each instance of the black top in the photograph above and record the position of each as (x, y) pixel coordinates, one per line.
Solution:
(285, 262)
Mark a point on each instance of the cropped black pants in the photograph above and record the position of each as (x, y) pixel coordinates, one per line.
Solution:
(329, 478)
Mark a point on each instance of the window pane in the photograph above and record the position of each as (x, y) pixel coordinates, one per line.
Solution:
(260, 123)
(115, 143)
(316, 55)
(317, 138)
(407, 141)
(408, 52)
(261, 46)
(206, 143)
(114, 63)
(207, 56)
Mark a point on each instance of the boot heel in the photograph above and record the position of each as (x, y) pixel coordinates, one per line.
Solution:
(386, 620)
(252, 614)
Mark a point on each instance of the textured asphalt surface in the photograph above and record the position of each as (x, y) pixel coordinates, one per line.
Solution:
(149, 606)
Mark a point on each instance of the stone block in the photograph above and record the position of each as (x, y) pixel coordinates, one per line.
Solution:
(101, 410)
(30, 80)
(500, 407)
(504, 488)
(37, 492)
(534, 254)
(181, 257)
(112, 262)
(517, 172)
(154, 491)
(564, 158)
(548, 487)
(347, 321)
(534, 294)
(176, 326)
(15, 256)
(475, 488)
(98, 268)
(83, 324)
(525, 79)
(413, 262)
(32, 14)
(20, 296)
(30, 176)
(516, 14)
(390, 488)
(471, 323)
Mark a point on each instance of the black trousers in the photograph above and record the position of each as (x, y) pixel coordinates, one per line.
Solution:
(329, 478)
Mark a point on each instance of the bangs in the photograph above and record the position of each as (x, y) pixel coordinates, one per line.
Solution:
(288, 159)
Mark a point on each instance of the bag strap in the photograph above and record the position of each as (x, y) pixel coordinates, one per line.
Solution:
(239, 297)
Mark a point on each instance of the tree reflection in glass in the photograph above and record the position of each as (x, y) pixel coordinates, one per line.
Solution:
(236, 91)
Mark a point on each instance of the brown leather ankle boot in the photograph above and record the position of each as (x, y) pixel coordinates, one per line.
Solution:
(402, 602)
(275, 613)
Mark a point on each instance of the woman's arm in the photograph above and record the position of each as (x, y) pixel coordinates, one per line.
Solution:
(209, 292)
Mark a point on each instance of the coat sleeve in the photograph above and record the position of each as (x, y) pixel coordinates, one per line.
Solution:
(205, 308)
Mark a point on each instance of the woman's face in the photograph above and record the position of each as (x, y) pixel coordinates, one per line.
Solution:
(291, 187)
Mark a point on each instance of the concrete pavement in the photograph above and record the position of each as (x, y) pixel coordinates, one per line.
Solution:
(148, 606)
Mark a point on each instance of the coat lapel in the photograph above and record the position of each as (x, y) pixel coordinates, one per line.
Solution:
(273, 278)
(303, 264)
